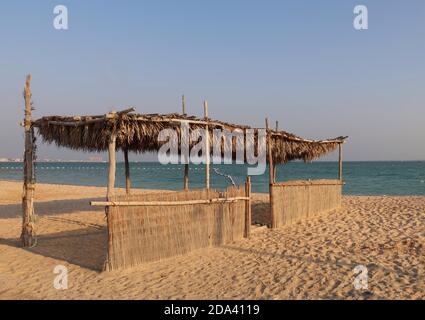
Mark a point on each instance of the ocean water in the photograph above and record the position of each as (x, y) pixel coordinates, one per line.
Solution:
(361, 178)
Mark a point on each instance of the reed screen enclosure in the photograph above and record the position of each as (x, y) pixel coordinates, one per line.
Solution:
(151, 227)
(296, 200)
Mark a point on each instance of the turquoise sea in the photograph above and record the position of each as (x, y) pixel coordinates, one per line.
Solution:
(361, 178)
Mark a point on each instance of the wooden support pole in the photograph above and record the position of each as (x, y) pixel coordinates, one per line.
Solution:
(248, 207)
(274, 167)
(127, 173)
(186, 177)
(207, 147)
(183, 105)
(271, 174)
(28, 235)
(112, 165)
(340, 162)
(186, 165)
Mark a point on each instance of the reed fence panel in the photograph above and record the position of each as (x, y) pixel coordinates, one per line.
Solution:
(139, 234)
(296, 200)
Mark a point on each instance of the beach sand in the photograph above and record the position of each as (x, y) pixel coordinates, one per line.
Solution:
(309, 260)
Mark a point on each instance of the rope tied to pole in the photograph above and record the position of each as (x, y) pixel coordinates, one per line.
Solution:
(228, 176)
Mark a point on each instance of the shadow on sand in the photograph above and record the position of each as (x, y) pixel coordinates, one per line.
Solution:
(87, 246)
(261, 213)
(54, 207)
(83, 247)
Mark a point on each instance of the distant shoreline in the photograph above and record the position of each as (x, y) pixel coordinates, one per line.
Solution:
(157, 162)
(393, 178)
(171, 190)
(145, 189)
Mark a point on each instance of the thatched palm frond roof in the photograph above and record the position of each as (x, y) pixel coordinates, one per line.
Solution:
(139, 133)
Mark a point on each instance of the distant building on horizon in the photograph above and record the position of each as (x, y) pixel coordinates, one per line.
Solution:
(10, 160)
(95, 159)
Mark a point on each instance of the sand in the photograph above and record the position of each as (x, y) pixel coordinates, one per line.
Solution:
(309, 260)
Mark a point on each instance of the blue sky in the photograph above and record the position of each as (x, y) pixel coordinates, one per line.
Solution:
(300, 62)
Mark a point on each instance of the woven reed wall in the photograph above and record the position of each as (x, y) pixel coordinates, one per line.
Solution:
(296, 200)
(150, 233)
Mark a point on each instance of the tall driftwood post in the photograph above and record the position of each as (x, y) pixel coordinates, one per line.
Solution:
(28, 235)
(186, 165)
(340, 162)
(271, 174)
(248, 207)
(110, 189)
(127, 172)
(207, 147)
